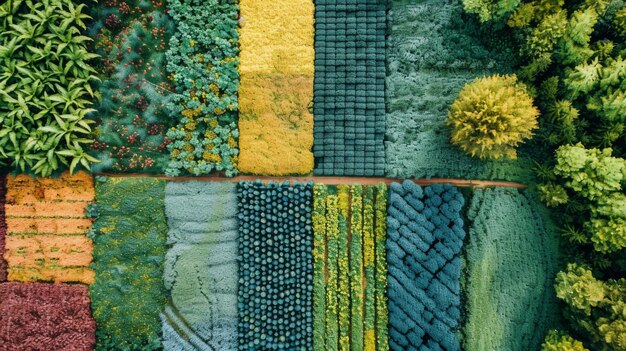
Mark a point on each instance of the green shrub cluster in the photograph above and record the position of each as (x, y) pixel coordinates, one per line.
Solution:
(573, 54)
(203, 61)
(556, 341)
(491, 117)
(595, 307)
(132, 119)
(45, 85)
(129, 238)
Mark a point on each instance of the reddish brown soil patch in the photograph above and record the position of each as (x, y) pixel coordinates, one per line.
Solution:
(45, 317)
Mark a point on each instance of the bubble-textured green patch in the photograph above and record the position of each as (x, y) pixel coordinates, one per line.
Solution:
(512, 259)
(201, 266)
(433, 49)
(275, 266)
(129, 236)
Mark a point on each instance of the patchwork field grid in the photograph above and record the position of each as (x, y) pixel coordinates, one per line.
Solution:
(304, 175)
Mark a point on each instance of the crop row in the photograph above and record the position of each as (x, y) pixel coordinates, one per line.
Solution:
(349, 279)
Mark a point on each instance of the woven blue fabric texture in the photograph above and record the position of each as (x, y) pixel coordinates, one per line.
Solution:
(424, 242)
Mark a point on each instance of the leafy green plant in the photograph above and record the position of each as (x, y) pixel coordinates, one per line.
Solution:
(491, 117)
(489, 10)
(45, 86)
(589, 172)
(596, 308)
(556, 341)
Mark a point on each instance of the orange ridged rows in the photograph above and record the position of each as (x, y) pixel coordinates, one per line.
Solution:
(46, 228)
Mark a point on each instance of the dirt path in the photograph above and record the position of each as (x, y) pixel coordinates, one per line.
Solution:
(330, 180)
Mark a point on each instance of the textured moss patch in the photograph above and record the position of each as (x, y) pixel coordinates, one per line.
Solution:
(129, 234)
(276, 89)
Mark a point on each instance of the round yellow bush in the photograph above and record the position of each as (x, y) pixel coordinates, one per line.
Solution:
(491, 117)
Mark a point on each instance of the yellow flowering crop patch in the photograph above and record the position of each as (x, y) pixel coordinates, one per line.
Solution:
(276, 88)
(46, 228)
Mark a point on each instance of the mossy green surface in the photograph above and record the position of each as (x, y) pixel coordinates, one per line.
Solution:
(512, 256)
(433, 50)
(129, 236)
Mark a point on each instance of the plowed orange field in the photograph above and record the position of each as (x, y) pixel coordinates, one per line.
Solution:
(46, 228)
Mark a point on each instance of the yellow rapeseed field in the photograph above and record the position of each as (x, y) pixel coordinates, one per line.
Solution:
(276, 88)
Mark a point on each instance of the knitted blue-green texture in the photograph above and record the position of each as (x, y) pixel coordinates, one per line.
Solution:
(349, 94)
(275, 266)
(201, 266)
(424, 242)
(433, 50)
(512, 257)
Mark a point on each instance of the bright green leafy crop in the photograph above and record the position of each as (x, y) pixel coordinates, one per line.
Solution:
(45, 85)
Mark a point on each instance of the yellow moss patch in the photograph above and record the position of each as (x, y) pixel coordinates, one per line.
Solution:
(276, 128)
(276, 36)
(276, 87)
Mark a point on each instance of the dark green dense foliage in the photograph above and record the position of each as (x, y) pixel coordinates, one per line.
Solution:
(129, 236)
(512, 256)
(45, 85)
(132, 118)
(433, 49)
(349, 95)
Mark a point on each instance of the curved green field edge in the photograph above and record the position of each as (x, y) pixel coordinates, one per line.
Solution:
(512, 257)
(433, 50)
(129, 238)
(200, 270)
